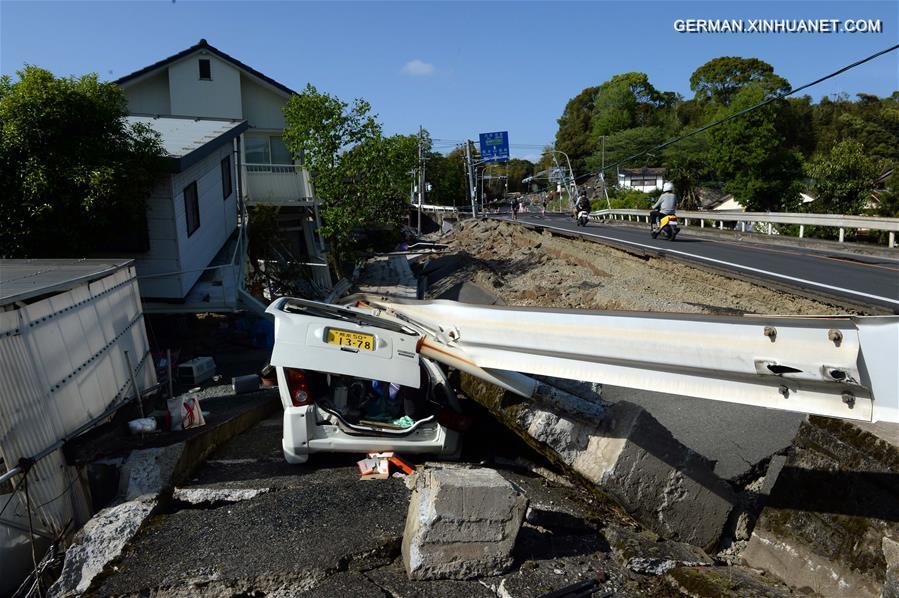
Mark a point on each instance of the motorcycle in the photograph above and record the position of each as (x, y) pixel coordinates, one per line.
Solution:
(667, 227)
(583, 217)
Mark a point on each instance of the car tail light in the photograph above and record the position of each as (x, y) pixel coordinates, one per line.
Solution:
(298, 387)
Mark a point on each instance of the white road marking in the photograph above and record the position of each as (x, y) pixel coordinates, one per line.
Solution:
(730, 264)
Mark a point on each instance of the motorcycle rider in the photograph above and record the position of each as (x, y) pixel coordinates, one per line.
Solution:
(582, 205)
(666, 204)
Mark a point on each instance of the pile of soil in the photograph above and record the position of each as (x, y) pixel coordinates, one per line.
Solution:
(528, 268)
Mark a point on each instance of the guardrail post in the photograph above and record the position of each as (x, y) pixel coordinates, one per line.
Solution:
(769, 228)
(721, 225)
(801, 230)
(686, 222)
(842, 233)
(892, 239)
(743, 226)
(702, 223)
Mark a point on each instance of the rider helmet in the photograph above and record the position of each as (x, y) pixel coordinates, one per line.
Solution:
(667, 187)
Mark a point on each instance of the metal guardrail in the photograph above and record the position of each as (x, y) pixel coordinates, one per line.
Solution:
(748, 219)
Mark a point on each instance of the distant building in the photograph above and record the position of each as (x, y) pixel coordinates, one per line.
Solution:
(641, 179)
(202, 81)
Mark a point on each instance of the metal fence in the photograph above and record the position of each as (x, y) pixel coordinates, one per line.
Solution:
(63, 364)
(747, 221)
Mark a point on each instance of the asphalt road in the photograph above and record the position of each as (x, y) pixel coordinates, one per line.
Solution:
(862, 280)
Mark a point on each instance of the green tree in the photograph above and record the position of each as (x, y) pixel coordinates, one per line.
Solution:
(447, 177)
(627, 101)
(362, 177)
(573, 136)
(74, 172)
(750, 155)
(843, 179)
(624, 144)
(719, 80)
(686, 173)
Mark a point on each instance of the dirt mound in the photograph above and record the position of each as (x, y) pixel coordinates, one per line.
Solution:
(529, 268)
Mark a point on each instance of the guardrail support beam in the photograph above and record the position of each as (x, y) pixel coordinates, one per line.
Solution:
(892, 239)
(842, 234)
(801, 230)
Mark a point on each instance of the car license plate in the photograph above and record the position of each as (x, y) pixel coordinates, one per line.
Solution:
(345, 338)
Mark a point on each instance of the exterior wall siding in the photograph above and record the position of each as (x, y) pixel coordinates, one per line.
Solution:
(190, 96)
(262, 107)
(218, 217)
(163, 255)
(150, 96)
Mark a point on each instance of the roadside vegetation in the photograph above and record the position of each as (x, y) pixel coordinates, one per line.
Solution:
(74, 173)
(834, 149)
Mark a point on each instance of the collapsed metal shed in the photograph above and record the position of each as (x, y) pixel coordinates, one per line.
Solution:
(65, 328)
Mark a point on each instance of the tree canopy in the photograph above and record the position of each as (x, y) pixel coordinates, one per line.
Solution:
(362, 177)
(74, 173)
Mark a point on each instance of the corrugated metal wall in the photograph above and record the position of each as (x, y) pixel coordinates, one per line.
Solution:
(62, 364)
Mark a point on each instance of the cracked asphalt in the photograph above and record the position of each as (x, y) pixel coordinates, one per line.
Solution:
(320, 531)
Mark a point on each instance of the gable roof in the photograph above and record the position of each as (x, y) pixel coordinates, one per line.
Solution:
(203, 45)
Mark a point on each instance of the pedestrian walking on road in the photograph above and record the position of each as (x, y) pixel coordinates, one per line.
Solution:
(543, 207)
(515, 209)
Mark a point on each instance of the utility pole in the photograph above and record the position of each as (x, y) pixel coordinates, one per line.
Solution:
(421, 175)
(472, 189)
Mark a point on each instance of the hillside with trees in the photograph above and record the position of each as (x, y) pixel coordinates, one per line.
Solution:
(834, 149)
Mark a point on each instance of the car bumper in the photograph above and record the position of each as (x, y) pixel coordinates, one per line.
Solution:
(303, 435)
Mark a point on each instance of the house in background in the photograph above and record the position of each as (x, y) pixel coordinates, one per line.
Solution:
(204, 82)
(190, 262)
(641, 179)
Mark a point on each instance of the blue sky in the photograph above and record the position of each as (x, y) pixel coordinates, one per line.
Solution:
(457, 68)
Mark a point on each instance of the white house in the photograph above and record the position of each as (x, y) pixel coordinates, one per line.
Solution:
(190, 263)
(641, 179)
(202, 81)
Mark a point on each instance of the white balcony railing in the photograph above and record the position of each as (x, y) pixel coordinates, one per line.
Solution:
(279, 184)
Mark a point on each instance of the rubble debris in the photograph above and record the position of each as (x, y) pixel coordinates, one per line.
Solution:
(462, 523)
(713, 582)
(649, 555)
(100, 542)
(197, 496)
(833, 504)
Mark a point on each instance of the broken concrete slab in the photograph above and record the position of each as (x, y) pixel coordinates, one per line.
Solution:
(197, 496)
(627, 456)
(712, 582)
(461, 523)
(834, 502)
(147, 472)
(100, 542)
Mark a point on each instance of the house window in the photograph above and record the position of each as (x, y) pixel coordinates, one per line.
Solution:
(192, 208)
(280, 153)
(226, 178)
(205, 69)
(257, 150)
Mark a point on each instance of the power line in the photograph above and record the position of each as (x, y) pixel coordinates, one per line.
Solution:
(773, 98)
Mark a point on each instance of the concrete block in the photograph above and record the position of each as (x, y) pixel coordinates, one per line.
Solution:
(628, 456)
(832, 513)
(98, 543)
(462, 523)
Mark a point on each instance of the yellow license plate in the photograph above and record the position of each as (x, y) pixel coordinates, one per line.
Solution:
(345, 338)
